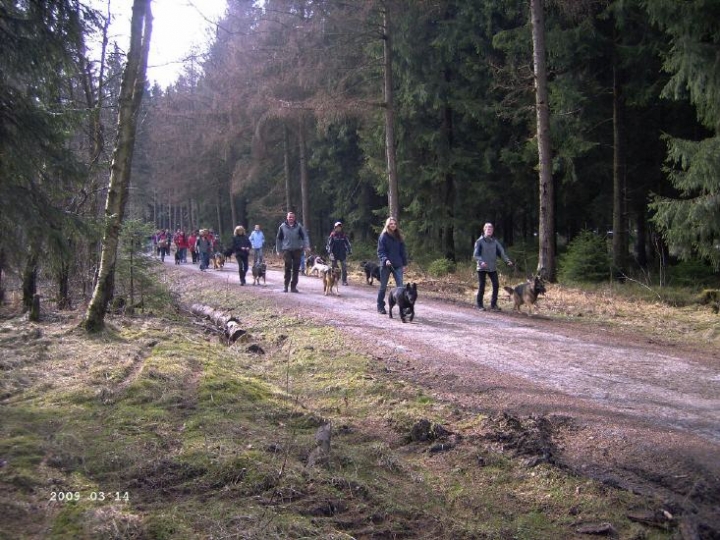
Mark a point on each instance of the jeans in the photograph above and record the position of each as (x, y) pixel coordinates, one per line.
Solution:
(257, 256)
(204, 260)
(481, 287)
(385, 272)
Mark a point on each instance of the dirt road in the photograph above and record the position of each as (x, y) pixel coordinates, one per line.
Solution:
(638, 414)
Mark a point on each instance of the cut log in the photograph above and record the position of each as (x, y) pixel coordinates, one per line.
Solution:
(229, 324)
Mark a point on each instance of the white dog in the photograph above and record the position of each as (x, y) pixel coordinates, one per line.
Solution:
(319, 269)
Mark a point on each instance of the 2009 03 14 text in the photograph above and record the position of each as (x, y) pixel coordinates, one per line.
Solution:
(95, 496)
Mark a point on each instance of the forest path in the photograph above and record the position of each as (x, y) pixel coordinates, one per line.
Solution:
(625, 409)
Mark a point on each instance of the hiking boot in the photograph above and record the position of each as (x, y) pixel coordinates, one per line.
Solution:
(495, 308)
(480, 308)
(345, 282)
(294, 289)
(285, 289)
(382, 311)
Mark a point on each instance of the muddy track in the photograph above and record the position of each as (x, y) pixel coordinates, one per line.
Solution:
(637, 414)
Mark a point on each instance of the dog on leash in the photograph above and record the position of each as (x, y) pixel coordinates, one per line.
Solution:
(319, 269)
(218, 261)
(315, 265)
(331, 279)
(404, 298)
(526, 293)
(258, 272)
(372, 271)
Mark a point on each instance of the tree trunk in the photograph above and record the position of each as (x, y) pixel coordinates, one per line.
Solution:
(63, 281)
(286, 141)
(29, 278)
(218, 211)
(2, 274)
(227, 323)
(131, 93)
(450, 191)
(304, 188)
(393, 190)
(620, 232)
(546, 226)
(641, 240)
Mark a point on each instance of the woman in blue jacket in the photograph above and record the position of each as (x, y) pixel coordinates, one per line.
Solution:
(393, 259)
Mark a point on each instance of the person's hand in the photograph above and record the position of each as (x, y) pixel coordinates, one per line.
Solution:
(483, 264)
(388, 263)
(510, 263)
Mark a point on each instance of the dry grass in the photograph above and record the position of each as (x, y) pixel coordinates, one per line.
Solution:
(213, 441)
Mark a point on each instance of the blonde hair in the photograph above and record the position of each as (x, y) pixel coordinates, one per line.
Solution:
(239, 230)
(397, 234)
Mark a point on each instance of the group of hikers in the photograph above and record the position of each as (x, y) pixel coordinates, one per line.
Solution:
(199, 242)
(293, 243)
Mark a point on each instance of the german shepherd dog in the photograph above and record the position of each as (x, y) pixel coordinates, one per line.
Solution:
(405, 298)
(218, 261)
(331, 279)
(258, 272)
(372, 271)
(526, 293)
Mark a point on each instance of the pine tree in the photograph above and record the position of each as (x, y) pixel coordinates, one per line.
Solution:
(690, 224)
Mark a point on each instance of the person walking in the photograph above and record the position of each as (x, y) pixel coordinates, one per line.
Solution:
(241, 248)
(203, 245)
(393, 259)
(191, 245)
(292, 240)
(487, 250)
(338, 247)
(181, 244)
(164, 240)
(257, 240)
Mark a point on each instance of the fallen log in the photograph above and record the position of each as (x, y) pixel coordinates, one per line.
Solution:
(227, 323)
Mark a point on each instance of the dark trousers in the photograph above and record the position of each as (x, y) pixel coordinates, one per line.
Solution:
(242, 260)
(292, 266)
(481, 287)
(343, 268)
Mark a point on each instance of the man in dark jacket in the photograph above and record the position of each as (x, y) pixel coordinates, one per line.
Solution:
(291, 240)
(338, 247)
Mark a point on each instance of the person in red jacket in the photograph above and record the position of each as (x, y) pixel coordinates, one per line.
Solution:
(181, 243)
(191, 245)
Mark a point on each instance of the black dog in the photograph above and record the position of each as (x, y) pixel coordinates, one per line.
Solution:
(405, 298)
(258, 271)
(372, 271)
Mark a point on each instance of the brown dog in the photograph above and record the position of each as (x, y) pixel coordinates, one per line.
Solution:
(218, 261)
(331, 278)
(526, 293)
